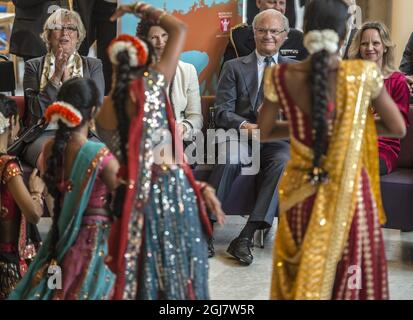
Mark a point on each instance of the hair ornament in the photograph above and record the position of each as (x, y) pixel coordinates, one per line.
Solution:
(65, 112)
(319, 40)
(137, 50)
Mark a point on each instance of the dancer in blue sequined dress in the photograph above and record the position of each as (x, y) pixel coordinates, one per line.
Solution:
(158, 246)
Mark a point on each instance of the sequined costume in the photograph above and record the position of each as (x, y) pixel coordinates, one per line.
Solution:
(82, 246)
(158, 246)
(329, 243)
(14, 255)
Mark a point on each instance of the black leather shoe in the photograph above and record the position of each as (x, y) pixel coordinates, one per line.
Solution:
(240, 248)
(211, 249)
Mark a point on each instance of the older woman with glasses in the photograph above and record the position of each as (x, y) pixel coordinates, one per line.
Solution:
(63, 33)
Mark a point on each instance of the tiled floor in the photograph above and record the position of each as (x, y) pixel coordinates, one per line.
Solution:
(230, 280)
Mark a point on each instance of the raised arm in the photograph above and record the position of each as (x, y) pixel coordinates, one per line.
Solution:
(29, 202)
(176, 40)
(176, 34)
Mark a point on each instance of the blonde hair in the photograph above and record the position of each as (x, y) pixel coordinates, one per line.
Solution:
(56, 18)
(388, 54)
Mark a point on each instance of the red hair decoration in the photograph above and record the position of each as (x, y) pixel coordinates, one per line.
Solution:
(65, 112)
(137, 50)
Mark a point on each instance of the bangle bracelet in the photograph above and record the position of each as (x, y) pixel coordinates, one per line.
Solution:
(203, 186)
(163, 14)
(209, 188)
(38, 198)
(142, 9)
(136, 7)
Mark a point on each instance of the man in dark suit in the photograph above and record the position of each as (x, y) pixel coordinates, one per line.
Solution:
(95, 15)
(291, 12)
(406, 66)
(28, 23)
(242, 37)
(238, 99)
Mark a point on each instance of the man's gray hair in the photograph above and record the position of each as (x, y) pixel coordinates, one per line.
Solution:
(273, 12)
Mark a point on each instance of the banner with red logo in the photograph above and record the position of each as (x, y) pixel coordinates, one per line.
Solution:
(209, 23)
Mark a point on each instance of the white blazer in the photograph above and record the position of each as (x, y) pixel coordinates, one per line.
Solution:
(185, 96)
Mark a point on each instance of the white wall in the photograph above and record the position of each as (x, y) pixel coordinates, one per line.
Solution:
(402, 25)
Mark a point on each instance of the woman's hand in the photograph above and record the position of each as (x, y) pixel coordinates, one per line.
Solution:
(121, 10)
(61, 63)
(213, 203)
(36, 184)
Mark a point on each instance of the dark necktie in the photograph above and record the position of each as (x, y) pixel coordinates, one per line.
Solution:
(260, 96)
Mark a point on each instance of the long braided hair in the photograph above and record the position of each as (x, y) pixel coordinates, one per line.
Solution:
(83, 95)
(123, 75)
(322, 15)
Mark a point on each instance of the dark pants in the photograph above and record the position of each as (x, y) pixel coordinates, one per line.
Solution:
(95, 15)
(273, 158)
(383, 167)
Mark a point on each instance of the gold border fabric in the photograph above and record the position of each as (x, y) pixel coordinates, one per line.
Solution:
(308, 271)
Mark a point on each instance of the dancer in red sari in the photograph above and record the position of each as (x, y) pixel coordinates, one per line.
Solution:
(19, 206)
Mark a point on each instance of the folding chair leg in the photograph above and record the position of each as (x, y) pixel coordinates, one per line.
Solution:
(261, 232)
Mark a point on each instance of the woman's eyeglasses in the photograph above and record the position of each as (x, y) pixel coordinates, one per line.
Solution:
(62, 28)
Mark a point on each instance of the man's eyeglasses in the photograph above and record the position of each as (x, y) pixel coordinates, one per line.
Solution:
(273, 32)
(61, 28)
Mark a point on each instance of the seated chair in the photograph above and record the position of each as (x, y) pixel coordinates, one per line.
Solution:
(397, 187)
(8, 79)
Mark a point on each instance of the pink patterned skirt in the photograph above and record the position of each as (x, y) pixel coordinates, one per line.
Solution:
(362, 272)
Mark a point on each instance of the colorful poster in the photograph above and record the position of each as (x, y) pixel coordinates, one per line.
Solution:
(209, 23)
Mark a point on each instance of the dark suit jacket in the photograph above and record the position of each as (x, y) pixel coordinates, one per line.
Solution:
(28, 25)
(350, 40)
(406, 66)
(242, 43)
(237, 92)
(95, 14)
(92, 69)
(290, 11)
